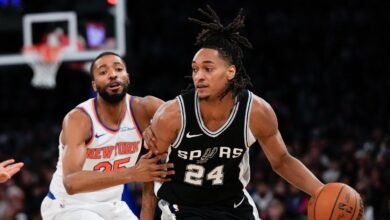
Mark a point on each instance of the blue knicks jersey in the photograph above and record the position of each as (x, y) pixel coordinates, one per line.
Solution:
(211, 167)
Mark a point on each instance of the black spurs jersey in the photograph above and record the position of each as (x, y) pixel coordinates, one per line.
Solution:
(211, 167)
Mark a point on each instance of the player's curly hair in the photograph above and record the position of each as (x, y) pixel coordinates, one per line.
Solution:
(228, 42)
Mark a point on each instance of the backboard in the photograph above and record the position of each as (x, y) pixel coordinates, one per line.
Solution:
(83, 29)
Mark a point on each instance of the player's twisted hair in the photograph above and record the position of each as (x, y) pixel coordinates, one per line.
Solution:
(228, 42)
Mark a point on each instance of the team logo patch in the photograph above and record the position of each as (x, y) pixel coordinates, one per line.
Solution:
(208, 154)
(126, 129)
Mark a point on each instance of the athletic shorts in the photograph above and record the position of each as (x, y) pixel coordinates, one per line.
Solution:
(56, 209)
(243, 210)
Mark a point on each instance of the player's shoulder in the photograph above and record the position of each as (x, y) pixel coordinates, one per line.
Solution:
(260, 105)
(168, 118)
(77, 114)
(146, 101)
(262, 111)
(170, 110)
(77, 118)
(76, 124)
(171, 107)
(147, 104)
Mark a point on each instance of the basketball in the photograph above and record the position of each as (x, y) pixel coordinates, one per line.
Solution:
(335, 201)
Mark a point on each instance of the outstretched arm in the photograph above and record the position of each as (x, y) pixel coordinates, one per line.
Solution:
(76, 130)
(8, 168)
(158, 137)
(144, 109)
(264, 125)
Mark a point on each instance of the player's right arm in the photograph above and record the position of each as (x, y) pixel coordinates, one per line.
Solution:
(264, 126)
(165, 127)
(76, 130)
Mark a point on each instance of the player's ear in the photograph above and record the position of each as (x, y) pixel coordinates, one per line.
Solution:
(94, 85)
(231, 72)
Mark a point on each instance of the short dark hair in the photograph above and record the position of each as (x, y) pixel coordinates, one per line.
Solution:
(106, 53)
(227, 41)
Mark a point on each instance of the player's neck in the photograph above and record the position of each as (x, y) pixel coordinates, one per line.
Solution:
(218, 101)
(217, 108)
(111, 113)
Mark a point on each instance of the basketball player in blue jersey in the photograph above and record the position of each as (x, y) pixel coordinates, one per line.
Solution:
(99, 150)
(208, 130)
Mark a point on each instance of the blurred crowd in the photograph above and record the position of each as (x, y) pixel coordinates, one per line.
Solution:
(323, 68)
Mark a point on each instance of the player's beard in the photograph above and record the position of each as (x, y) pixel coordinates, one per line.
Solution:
(113, 98)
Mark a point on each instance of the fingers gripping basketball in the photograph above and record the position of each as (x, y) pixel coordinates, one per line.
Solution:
(336, 201)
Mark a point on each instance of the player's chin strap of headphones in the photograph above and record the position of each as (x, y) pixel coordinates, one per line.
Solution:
(166, 211)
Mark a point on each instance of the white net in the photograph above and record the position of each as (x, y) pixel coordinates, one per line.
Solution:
(45, 71)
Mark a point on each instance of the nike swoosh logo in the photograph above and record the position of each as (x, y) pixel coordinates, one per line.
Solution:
(188, 135)
(236, 205)
(98, 136)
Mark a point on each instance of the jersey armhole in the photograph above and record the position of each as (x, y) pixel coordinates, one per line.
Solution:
(91, 137)
(180, 135)
(248, 134)
(133, 118)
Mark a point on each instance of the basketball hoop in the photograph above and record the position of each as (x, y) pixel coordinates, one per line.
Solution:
(44, 60)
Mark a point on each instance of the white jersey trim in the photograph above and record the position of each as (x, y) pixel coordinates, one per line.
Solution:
(248, 135)
(224, 126)
(252, 203)
(132, 117)
(90, 141)
(245, 174)
(179, 137)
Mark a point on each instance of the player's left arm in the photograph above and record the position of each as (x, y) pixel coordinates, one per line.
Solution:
(144, 110)
(149, 202)
(264, 125)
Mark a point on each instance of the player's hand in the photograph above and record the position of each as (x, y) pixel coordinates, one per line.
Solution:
(149, 168)
(8, 168)
(150, 140)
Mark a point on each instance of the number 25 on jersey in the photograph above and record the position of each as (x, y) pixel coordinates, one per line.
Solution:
(106, 166)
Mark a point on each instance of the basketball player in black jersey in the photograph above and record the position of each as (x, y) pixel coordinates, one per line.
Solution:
(207, 133)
